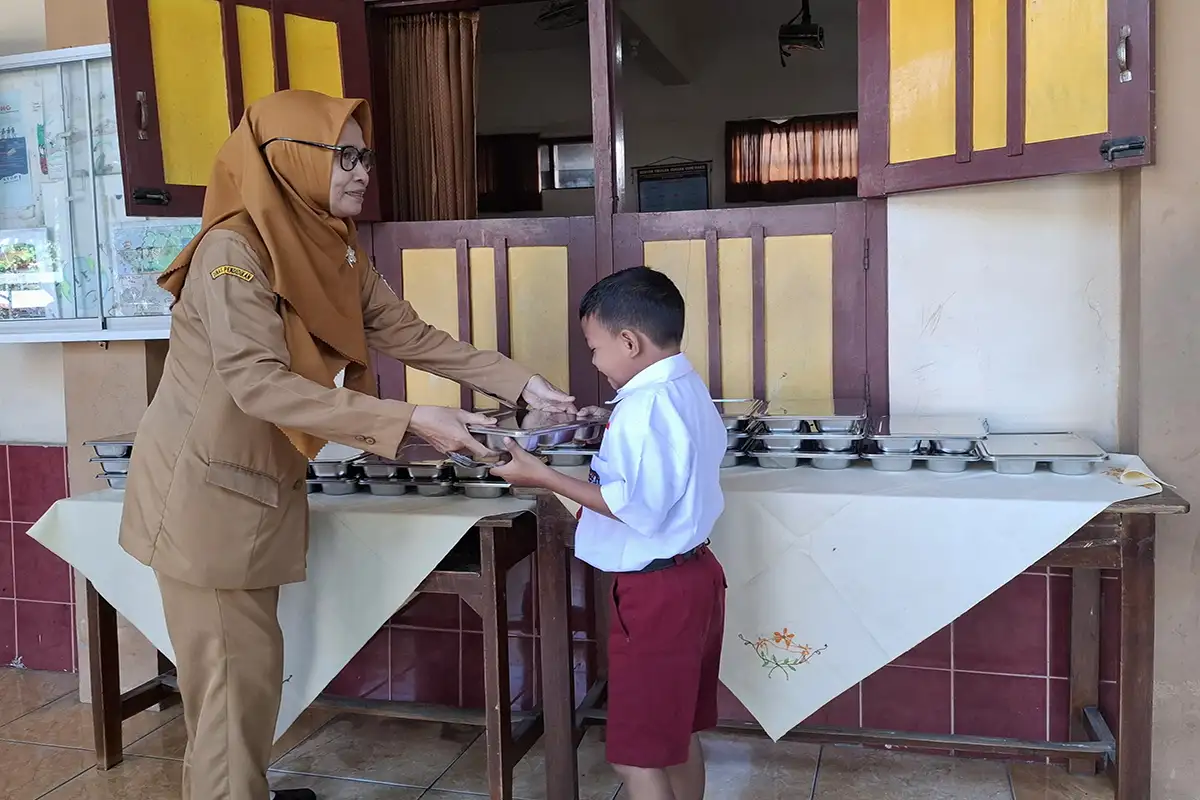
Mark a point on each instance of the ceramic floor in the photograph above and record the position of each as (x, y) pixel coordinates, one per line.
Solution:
(46, 740)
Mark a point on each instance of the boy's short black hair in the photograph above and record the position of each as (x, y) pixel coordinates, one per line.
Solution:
(639, 299)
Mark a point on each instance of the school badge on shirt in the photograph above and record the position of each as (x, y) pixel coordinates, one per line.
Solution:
(236, 272)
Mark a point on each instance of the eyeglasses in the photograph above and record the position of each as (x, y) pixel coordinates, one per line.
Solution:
(350, 156)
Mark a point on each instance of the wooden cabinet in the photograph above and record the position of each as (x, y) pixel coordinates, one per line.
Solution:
(955, 92)
(186, 69)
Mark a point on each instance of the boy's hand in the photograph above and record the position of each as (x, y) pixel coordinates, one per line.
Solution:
(524, 469)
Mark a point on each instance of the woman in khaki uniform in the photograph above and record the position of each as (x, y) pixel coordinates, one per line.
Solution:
(273, 300)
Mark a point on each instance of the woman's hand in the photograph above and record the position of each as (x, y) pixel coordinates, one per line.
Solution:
(524, 469)
(446, 429)
(540, 395)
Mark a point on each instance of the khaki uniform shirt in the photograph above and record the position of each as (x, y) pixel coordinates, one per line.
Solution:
(216, 493)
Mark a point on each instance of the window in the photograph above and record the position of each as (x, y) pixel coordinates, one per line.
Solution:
(567, 164)
(776, 161)
(506, 173)
(73, 265)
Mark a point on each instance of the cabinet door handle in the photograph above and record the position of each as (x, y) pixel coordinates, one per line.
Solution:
(143, 116)
(1124, 74)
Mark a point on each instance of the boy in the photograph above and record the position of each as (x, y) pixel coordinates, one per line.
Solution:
(649, 505)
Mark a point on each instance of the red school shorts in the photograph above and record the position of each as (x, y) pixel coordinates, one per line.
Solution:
(664, 653)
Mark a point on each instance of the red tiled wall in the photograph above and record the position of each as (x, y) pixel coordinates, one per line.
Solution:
(37, 603)
(999, 670)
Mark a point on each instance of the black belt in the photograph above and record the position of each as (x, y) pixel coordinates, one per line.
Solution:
(666, 563)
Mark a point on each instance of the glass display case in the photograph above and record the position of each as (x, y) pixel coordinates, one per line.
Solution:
(73, 265)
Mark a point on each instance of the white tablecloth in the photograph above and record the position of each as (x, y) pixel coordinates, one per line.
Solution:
(366, 556)
(833, 574)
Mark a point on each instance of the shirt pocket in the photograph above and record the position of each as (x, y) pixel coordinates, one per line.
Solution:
(257, 486)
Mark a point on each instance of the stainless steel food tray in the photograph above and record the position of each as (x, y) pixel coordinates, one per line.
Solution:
(433, 488)
(377, 468)
(950, 434)
(333, 486)
(778, 459)
(533, 430)
(738, 413)
(569, 456)
(114, 481)
(480, 490)
(814, 416)
(1020, 453)
(112, 446)
(933, 460)
(827, 442)
(112, 466)
(385, 487)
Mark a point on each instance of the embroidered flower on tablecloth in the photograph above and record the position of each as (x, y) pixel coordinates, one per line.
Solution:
(779, 652)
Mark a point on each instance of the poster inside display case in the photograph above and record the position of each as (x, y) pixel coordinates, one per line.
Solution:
(70, 258)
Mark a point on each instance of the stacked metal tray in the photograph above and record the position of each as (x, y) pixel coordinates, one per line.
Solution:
(1021, 453)
(537, 430)
(943, 443)
(112, 454)
(822, 434)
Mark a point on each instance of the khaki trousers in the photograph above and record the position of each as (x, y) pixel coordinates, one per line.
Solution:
(229, 656)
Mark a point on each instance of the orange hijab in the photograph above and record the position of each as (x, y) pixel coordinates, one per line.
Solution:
(278, 199)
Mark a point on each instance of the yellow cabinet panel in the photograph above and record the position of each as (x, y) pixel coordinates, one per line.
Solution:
(799, 316)
(257, 53)
(431, 285)
(989, 59)
(540, 310)
(685, 262)
(1066, 69)
(737, 317)
(189, 78)
(314, 55)
(921, 80)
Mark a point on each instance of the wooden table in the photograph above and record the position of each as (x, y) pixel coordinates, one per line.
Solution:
(477, 574)
(1121, 538)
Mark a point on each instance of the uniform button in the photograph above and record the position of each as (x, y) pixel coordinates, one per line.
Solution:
(360, 438)
(370, 440)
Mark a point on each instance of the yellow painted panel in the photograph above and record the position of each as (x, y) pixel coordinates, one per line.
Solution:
(540, 311)
(431, 285)
(257, 52)
(189, 79)
(314, 55)
(686, 263)
(483, 308)
(990, 61)
(1066, 69)
(921, 84)
(737, 318)
(799, 316)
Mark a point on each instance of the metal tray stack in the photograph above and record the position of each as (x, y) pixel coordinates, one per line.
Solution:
(825, 435)
(1020, 453)
(538, 430)
(944, 443)
(739, 415)
(570, 455)
(113, 454)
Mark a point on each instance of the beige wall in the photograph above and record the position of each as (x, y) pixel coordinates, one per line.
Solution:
(1168, 265)
(22, 27)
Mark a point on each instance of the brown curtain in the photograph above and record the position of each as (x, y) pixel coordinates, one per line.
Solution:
(509, 180)
(432, 59)
(803, 157)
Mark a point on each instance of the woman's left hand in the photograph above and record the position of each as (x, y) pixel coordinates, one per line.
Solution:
(525, 469)
(541, 395)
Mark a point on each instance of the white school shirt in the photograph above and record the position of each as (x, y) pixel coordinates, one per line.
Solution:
(658, 469)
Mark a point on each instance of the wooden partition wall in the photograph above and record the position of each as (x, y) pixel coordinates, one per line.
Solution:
(779, 300)
(510, 285)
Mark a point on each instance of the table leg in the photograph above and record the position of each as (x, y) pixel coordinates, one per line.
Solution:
(558, 680)
(1085, 657)
(1137, 660)
(496, 687)
(104, 658)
